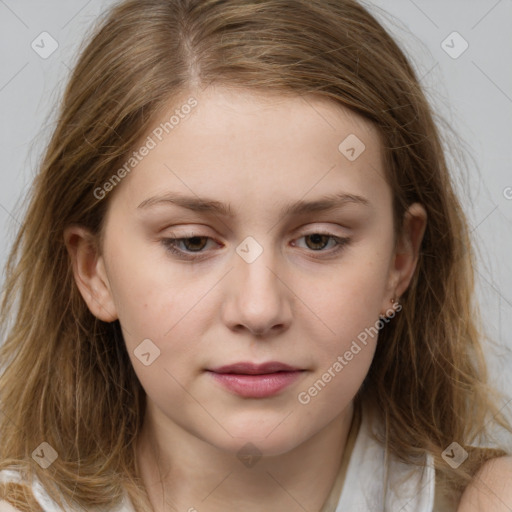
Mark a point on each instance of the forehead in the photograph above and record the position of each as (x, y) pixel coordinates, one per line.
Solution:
(257, 148)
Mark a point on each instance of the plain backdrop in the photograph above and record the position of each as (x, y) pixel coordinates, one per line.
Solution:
(461, 49)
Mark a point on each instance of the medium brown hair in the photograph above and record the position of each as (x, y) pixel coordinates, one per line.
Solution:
(67, 378)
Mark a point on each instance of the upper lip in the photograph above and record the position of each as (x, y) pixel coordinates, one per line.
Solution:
(247, 368)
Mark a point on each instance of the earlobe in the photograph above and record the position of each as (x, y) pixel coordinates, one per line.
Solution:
(90, 273)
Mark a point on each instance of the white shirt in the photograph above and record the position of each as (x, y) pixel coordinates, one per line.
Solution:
(409, 489)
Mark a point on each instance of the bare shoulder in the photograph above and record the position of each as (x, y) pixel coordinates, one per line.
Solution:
(7, 507)
(491, 488)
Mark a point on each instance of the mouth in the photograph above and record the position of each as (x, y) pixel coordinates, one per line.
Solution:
(251, 380)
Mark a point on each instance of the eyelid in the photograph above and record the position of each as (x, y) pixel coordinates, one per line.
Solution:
(170, 243)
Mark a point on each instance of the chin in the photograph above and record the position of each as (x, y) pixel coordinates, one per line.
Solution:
(259, 438)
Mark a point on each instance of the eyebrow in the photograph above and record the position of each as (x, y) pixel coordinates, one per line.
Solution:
(207, 205)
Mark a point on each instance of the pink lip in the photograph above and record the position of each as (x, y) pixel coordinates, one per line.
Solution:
(256, 380)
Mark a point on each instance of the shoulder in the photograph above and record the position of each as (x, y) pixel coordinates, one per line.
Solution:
(7, 507)
(490, 489)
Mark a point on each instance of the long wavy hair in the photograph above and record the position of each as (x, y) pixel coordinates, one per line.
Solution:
(66, 376)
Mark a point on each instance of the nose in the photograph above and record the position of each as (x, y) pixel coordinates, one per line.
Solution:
(258, 299)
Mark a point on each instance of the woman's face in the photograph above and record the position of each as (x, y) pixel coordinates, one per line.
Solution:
(287, 257)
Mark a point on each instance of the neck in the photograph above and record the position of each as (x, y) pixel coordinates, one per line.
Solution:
(186, 473)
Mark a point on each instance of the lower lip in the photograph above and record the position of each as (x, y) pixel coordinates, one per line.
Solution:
(256, 386)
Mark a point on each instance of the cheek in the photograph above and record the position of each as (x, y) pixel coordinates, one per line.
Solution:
(147, 289)
(162, 333)
(163, 312)
(346, 335)
(346, 303)
(350, 309)
(334, 385)
(160, 301)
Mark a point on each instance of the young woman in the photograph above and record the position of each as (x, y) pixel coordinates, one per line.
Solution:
(244, 280)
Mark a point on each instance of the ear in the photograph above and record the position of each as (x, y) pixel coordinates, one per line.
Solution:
(406, 253)
(89, 271)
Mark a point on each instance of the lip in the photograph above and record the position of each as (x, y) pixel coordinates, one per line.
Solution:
(248, 368)
(251, 380)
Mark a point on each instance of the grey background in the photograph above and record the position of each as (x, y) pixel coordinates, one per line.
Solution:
(473, 93)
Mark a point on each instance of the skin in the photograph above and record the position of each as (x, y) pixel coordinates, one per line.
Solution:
(298, 303)
(490, 489)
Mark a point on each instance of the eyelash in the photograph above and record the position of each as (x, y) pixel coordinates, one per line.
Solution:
(170, 245)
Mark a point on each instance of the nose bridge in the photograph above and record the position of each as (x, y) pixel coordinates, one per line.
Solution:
(258, 301)
(255, 268)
